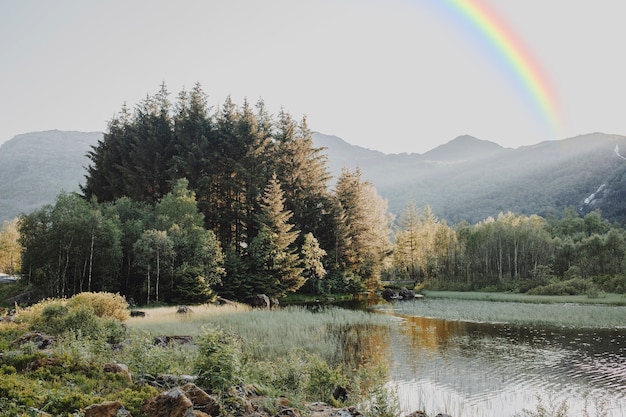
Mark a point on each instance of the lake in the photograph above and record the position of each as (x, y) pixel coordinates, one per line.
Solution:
(478, 369)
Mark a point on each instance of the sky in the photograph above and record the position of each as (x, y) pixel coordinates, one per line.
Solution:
(389, 75)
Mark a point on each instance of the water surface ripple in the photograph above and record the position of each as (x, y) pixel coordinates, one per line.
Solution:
(482, 369)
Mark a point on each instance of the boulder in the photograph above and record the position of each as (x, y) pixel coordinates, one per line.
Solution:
(389, 294)
(259, 301)
(201, 400)
(406, 294)
(170, 403)
(185, 401)
(118, 368)
(184, 310)
(107, 409)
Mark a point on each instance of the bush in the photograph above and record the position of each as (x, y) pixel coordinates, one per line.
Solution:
(219, 362)
(91, 315)
(615, 284)
(104, 304)
(574, 286)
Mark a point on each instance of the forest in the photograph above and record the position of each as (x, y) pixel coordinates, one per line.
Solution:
(183, 202)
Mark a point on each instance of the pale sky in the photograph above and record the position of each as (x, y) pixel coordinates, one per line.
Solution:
(390, 75)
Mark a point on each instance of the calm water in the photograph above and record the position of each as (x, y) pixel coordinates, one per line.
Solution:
(478, 369)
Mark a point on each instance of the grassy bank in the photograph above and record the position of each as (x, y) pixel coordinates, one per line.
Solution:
(267, 334)
(514, 309)
(291, 353)
(605, 299)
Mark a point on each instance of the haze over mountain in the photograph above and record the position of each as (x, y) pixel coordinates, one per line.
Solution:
(465, 179)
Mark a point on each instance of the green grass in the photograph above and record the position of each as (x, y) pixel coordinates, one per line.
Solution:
(331, 333)
(503, 308)
(605, 299)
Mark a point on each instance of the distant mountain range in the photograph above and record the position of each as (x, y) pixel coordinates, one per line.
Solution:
(466, 179)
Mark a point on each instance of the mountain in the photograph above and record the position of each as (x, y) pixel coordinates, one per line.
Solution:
(463, 148)
(469, 179)
(36, 167)
(466, 179)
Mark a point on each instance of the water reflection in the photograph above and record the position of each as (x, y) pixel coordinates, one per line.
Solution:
(479, 369)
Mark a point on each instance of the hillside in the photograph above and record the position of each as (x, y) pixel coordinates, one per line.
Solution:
(36, 167)
(465, 179)
(469, 179)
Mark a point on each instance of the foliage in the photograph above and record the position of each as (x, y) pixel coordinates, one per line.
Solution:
(104, 305)
(100, 320)
(362, 230)
(219, 361)
(574, 286)
(275, 263)
(10, 249)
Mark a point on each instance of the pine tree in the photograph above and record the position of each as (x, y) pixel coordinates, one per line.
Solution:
(303, 174)
(274, 260)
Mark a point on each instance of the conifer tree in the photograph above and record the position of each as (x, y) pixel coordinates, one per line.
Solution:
(275, 263)
(302, 171)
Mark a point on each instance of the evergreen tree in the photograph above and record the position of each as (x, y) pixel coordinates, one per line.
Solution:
(274, 260)
(303, 174)
(364, 245)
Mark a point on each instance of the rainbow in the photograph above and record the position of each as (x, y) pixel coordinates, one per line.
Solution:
(525, 69)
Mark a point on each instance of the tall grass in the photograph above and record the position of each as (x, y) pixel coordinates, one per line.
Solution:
(605, 299)
(334, 334)
(553, 314)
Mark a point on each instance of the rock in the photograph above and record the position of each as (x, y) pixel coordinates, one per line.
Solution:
(185, 401)
(259, 301)
(170, 403)
(118, 368)
(184, 310)
(166, 341)
(223, 301)
(107, 409)
(201, 400)
(137, 313)
(41, 341)
(320, 409)
(171, 381)
(288, 412)
(406, 294)
(443, 415)
(389, 294)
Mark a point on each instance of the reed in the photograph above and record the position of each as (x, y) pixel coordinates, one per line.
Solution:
(334, 334)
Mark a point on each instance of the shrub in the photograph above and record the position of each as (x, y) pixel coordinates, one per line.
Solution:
(89, 315)
(219, 362)
(574, 286)
(323, 380)
(104, 304)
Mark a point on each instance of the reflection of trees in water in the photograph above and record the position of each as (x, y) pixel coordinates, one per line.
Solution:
(480, 360)
(361, 344)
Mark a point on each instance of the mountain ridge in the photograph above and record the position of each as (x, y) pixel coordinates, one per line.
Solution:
(465, 179)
